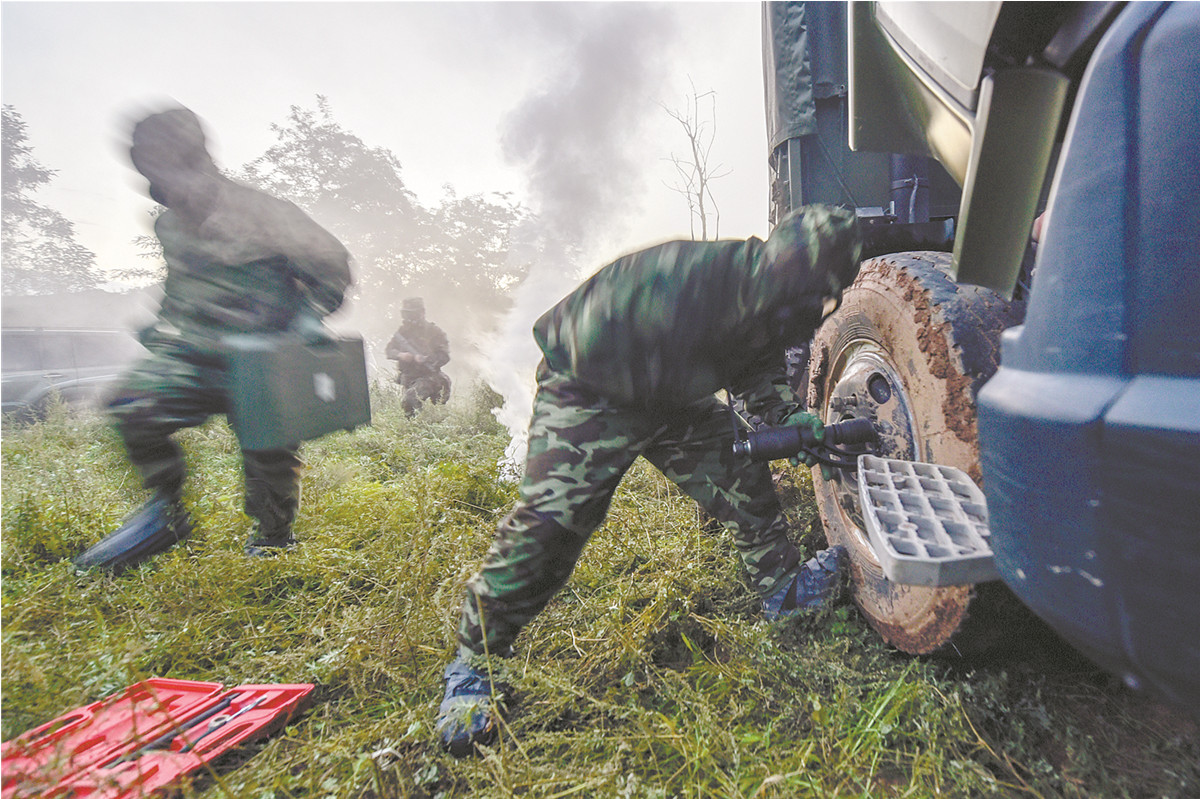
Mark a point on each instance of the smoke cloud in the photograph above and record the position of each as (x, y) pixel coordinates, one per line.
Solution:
(574, 136)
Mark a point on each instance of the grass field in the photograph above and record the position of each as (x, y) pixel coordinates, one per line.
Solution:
(651, 675)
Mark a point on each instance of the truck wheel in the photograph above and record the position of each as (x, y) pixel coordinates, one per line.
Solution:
(909, 348)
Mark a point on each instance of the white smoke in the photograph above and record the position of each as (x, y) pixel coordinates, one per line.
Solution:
(575, 137)
(511, 357)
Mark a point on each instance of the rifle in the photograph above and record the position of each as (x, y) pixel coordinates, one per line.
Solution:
(400, 345)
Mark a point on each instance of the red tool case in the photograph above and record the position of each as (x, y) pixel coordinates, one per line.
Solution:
(142, 739)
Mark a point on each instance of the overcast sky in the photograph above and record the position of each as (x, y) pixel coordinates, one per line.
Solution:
(461, 93)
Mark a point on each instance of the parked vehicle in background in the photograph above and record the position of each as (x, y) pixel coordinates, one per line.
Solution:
(1063, 378)
(41, 366)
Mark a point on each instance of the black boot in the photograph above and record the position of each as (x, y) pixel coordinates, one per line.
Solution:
(156, 527)
(265, 545)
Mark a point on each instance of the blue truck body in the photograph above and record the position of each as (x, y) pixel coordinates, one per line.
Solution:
(1089, 431)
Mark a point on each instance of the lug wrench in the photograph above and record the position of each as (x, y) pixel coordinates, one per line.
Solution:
(220, 721)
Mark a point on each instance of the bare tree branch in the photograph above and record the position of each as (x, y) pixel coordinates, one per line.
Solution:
(694, 174)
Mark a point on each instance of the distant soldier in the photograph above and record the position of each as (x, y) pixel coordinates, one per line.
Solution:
(238, 261)
(633, 359)
(420, 349)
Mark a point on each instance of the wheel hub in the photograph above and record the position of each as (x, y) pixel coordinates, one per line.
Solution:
(869, 387)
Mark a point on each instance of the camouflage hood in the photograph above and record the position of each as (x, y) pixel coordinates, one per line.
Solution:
(666, 326)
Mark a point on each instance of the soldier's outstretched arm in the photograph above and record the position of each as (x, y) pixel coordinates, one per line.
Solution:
(320, 261)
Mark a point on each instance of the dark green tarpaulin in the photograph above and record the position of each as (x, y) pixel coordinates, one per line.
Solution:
(787, 73)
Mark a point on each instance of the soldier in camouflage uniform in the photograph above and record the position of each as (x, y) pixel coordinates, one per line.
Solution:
(238, 261)
(420, 349)
(632, 361)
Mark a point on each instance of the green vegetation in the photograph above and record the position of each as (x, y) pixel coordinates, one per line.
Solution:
(650, 676)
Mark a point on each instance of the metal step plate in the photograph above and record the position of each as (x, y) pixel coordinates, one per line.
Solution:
(927, 523)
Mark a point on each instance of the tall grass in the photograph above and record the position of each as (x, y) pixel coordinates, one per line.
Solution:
(651, 675)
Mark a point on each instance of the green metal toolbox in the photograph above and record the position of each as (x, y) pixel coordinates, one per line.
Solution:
(284, 390)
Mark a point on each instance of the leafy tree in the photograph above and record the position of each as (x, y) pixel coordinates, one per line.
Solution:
(456, 250)
(335, 176)
(465, 248)
(149, 248)
(41, 255)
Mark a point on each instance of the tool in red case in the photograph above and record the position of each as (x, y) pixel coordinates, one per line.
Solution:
(142, 739)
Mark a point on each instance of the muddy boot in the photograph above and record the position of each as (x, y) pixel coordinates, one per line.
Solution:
(159, 525)
(467, 715)
(818, 584)
(268, 545)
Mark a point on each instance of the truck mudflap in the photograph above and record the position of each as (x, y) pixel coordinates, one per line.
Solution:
(927, 523)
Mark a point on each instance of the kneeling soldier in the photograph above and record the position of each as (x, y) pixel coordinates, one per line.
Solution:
(633, 360)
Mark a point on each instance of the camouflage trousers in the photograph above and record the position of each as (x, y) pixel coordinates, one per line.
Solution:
(580, 446)
(420, 389)
(176, 386)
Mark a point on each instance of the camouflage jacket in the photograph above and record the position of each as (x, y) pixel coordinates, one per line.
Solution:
(424, 339)
(667, 326)
(252, 265)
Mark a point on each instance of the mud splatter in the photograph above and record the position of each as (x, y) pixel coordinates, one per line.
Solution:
(934, 337)
(917, 633)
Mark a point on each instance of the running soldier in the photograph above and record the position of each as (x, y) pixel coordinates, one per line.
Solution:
(420, 349)
(633, 360)
(238, 261)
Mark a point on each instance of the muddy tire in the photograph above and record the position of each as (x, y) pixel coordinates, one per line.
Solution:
(909, 348)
